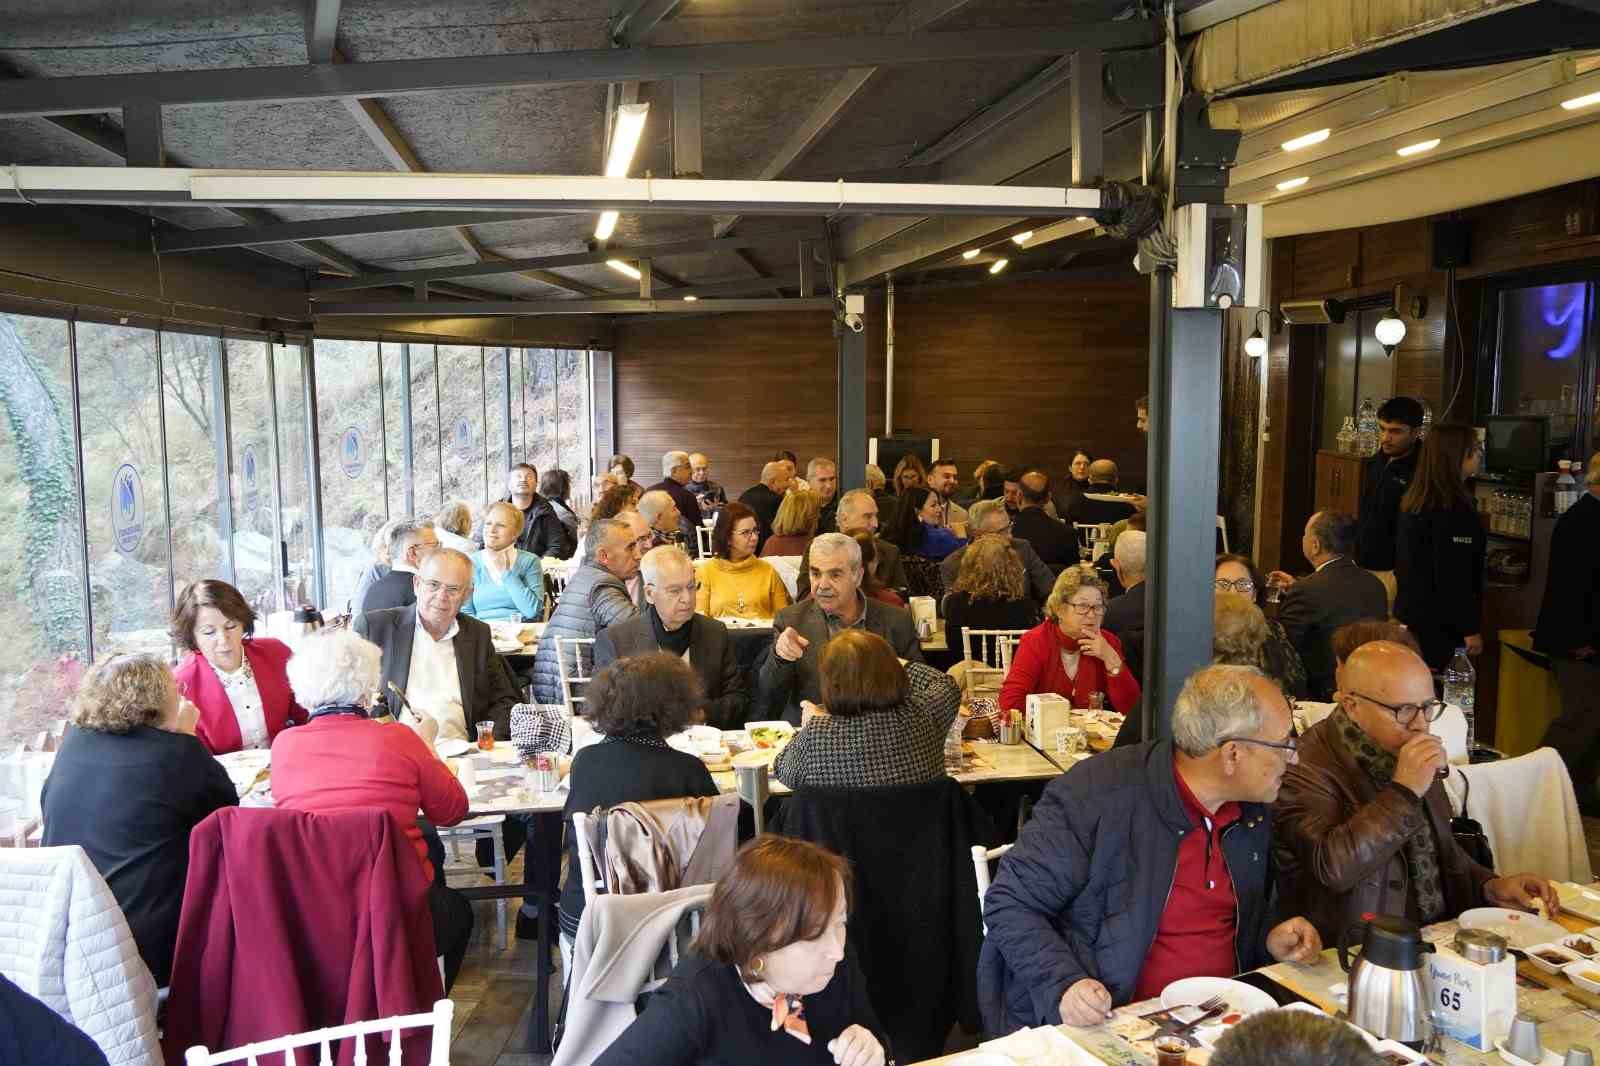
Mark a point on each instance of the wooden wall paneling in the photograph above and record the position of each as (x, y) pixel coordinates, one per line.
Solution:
(1268, 531)
(1241, 384)
(1394, 252)
(1298, 439)
(1326, 264)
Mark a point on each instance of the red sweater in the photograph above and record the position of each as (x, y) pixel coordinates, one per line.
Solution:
(217, 728)
(341, 763)
(1036, 667)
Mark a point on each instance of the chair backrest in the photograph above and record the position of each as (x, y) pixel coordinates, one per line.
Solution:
(981, 858)
(656, 845)
(788, 568)
(1089, 533)
(574, 666)
(592, 885)
(1222, 530)
(438, 1020)
(702, 538)
(990, 652)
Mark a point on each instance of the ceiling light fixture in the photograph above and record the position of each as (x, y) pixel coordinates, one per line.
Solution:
(626, 130)
(971, 253)
(998, 265)
(690, 299)
(1581, 101)
(1292, 183)
(627, 269)
(1418, 148)
(1306, 141)
(1255, 345)
(1022, 238)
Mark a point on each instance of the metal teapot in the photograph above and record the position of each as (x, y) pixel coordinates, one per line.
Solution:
(1387, 995)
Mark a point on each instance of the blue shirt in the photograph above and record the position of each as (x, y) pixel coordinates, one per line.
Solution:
(518, 595)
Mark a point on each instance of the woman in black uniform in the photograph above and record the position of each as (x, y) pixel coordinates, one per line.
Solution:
(1439, 555)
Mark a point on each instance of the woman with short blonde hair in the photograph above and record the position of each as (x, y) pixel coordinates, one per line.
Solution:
(794, 525)
(453, 526)
(507, 582)
(1069, 653)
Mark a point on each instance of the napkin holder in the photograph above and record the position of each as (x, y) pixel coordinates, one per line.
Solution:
(924, 615)
(1473, 1002)
(1044, 713)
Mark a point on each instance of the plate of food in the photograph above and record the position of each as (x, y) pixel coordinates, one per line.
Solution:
(772, 734)
(449, 749)
(1585, 945)
(1585, 974)
(1394, 1053)
(1241, 1000)
(1521, 930)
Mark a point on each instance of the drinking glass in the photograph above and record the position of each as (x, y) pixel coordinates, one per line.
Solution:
(485, 736)
(1171, 1051)
(1274, 589)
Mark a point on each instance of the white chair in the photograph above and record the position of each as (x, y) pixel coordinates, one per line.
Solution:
(438, 1020)
(1222, 529)
(788, 568)
(990, 650)
(1090, 534)
(485, 827)
(1528, 811)
(702, 537)
(592, 884)
(981, 858)
(577, 672)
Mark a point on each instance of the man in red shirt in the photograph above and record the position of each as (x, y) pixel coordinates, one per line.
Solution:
(1147, 864)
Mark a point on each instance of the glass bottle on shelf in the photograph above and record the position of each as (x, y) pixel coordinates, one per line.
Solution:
(1367, 427)
(1566, 488)
(1346, 439)
(1427, 418)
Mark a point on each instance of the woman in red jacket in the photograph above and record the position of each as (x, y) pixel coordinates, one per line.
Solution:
(1068, 653)
(237, 681)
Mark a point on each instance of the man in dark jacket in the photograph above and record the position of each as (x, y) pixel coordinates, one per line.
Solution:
(1384, 480)
(670, 624)
(675, 483)
(765, 499)
(1125, 614)
(989, 518)
(411, 542)
(1569, 632)
(1336, 593)
(1084, 511)
(1147, 864)
(543, 533)
(1362, 823)
(1054, 541)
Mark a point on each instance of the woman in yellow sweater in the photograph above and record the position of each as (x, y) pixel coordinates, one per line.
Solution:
(735, 582)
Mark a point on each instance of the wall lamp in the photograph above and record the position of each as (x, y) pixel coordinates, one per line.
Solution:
(1255, 345)
(1391, 328)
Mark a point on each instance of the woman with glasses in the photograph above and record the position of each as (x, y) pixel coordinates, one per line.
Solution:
(1237, 575)
(1362, 822)
(1438, 565)
(670, 624)
(1068, 653)
(736, 582)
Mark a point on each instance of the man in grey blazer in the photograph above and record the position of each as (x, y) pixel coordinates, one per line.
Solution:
(989, 518)
(1337, 592)
(791, 671)
(444, 661)
(858, 513)
(669, 624)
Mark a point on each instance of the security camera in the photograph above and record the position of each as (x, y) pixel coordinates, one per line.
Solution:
(855, 323)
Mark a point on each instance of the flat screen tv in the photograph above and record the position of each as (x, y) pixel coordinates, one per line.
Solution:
(886, 452)
(1516, 444)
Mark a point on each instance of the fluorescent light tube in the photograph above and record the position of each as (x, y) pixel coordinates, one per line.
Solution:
(627, 269)
(1306, 141)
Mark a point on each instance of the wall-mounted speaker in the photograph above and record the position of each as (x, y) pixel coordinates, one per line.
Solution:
(1451, 239)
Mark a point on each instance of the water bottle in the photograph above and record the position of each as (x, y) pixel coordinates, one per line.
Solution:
(1427, 419)
(1367, 427)
(1566, 488)
(952, 746)
(1346, 440)
(1460, 687)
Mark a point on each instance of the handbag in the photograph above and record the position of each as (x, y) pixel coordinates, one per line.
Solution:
(1468, 833)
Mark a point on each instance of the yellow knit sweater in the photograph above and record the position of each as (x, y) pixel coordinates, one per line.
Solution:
(748, 589)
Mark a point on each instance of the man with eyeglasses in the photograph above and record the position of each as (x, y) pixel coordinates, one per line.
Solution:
(444, 661)
(989, 518)
(1363, 822)
(1146, 865)
(670, 624)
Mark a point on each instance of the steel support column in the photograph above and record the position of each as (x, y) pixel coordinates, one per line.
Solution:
(503, 369)
(405, 431)
(319, 553)
(223, 445)
(1185, 429)
(852, 407)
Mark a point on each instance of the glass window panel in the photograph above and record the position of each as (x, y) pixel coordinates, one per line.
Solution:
(461, 422)
(517, 382)
(299, 575)
(572, 420)
(126, 510)
(1542, 334)
(604, 435)
(350, 449)
(255, 504)
(542, 411)
(425, 443)
(41, 543)
(494, 362)
(395, 397)
(189, 362)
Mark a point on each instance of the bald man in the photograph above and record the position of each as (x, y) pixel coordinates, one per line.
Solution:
(765, 499)
(1102, 481)
(1054, 541)
(1362, 824)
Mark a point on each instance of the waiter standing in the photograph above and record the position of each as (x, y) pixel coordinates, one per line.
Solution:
(1384, 480)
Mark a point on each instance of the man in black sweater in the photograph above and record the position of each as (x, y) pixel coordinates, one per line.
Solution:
(1569, 632)
(1055, 543)
(1384, 480)
(765, 499)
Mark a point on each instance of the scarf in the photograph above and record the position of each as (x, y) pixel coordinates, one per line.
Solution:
(788, 1011)
(676, 641)
(1421, 849)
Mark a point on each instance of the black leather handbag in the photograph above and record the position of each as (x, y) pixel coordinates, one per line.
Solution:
(1468, 833)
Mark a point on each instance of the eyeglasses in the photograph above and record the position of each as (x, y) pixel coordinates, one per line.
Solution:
(1244, 584)
(1292, 745)
(1084, 610)
(751, 532)
(452, 591)
(1406, 713)
(675, 591)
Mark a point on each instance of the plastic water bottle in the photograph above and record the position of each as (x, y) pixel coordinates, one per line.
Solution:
(1347, 437)
(952, 746)
(1367, 427)
(1460, 688)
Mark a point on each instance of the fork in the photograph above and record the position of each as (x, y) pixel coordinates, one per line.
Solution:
(1208, 1010)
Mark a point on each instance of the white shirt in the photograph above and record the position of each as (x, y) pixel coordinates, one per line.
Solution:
(240, 686)
(434, 686)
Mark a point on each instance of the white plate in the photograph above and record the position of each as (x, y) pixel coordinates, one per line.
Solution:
(449, 749)
(984, 1058)
(1401, 1053)
(1192, 991)
(1521, 930)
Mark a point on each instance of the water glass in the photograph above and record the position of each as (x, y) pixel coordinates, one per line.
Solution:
(1274, 590)
(485, 736)
(1171, 1051)
(543, 775)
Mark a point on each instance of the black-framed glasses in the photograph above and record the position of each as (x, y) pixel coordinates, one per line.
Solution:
(1244, 585)
(1406, 713)
(1291, 746)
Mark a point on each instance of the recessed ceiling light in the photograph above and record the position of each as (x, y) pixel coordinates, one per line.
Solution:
(1306, 141)
(1418, 148)
(998, 265)
(1581, 101)
(1022, 238)
(690, 299)
(1083, 218)
(1292, 183)
(607, 223)
(624, 268)
(970, 253)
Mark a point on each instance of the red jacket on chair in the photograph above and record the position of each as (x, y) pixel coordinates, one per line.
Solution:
(1036, 667)
(217, 728)
(293, 922)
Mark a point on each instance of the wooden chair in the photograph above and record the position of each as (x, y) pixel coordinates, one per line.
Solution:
(283, 1048)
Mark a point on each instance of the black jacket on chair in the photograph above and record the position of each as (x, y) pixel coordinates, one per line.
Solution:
(487, 690)
(1317, 604)
(915, 922)
(710, 653)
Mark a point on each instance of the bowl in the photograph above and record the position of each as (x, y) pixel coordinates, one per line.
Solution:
(1584, 945)
(1552, 957)
(1584, 974)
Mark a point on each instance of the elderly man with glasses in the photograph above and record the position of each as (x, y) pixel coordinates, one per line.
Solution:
(1362, 824)
(989, 518)
(670, 624)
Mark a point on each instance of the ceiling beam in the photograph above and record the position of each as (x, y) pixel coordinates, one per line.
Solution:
(992, 116)
(731, 288)
(106, 92)
(1215, 12)
(322, 28)
(633, 26)
(586, 258)
(615, 306)
(197, 240)
(688, 155)
(141, 129)
(831, 108)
